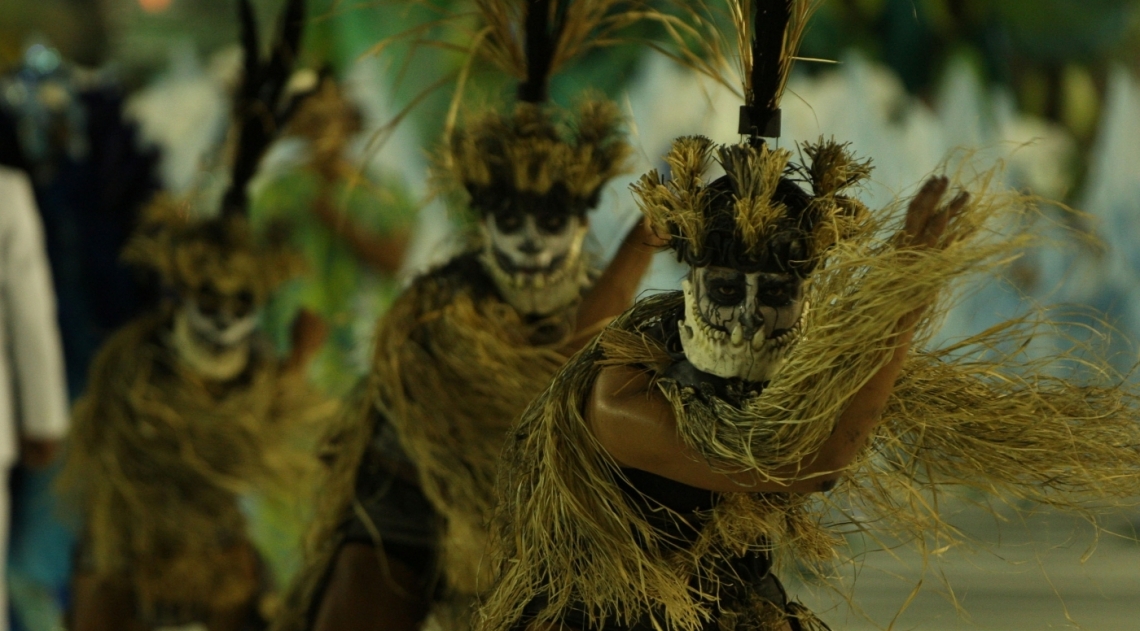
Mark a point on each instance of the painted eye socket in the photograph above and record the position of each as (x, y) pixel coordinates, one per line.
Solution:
(209, 300)
(727, 293)
(508, 221)
(243, 303)
(775, 295)
(552, 224)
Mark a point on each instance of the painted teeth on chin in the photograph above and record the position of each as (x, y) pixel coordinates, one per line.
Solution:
(737, 335)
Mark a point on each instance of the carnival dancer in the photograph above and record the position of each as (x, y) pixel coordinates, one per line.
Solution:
(187, 408)
(675, 461)
(467, 346)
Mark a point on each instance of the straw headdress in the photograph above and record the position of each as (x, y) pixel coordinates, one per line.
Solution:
(535, 155)
(756, 215)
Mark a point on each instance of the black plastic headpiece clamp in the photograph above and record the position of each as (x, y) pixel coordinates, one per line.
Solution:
(759, 126)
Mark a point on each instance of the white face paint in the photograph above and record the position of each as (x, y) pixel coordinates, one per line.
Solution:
(212, 332)
(740, 325)
(535, 261)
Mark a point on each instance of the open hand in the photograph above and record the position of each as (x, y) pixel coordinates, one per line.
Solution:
(927, 218)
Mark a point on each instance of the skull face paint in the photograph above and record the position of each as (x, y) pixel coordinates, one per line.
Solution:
(212, 330)
(535, 259)
(741, 325)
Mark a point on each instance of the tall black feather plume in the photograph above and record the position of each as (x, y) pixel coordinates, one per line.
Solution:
(543, 29)
(259, 112)
(760, 117)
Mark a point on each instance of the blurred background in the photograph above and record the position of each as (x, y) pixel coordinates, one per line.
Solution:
(105, 102)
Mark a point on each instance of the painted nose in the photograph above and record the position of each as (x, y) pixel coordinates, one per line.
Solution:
(224, 317)
(751, 321)
(530, 247)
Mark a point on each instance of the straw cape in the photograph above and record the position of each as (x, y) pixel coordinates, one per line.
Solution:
(453, 367)
(975, 416)
(158, 457)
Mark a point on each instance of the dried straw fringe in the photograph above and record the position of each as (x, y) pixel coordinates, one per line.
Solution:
(679, 206)
(157, 460)
(452, 374)
(565, 533)
(532, 152)
(187, 252)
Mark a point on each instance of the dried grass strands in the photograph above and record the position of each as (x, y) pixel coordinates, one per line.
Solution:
(865, 287)
(679, 206)
(536, 150)
(727, 56)
(564, 531)
(741, 13)
(225, 250)
(452, 374)
(158, 458)
(578, 26)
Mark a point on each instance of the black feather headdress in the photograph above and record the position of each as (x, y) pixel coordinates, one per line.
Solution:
(261, 106)
(186, 253)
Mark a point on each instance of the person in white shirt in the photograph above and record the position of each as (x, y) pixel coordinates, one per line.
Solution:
(33, 389)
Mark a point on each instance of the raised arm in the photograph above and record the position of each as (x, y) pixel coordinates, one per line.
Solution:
(613, 293)
(635, 423)
(381, 253)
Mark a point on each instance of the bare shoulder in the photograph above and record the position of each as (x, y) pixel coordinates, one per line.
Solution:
(628, 415)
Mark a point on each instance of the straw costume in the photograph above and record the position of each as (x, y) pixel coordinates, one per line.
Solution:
(467, 346)
(187, 408)
(753, 390)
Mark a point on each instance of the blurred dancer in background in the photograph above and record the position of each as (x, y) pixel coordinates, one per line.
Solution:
(64, 126)
(33, 393)
(401, 532)
(188, 409)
